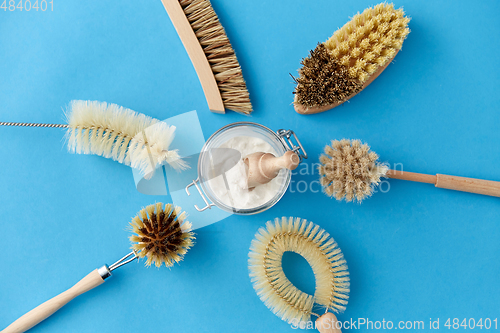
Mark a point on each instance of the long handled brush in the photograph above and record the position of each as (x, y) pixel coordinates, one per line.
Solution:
(350, 170)
(211, 53)
(118, 133)
(161, 234)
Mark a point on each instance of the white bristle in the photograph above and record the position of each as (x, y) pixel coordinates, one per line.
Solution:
(121, 134)
(321, 252)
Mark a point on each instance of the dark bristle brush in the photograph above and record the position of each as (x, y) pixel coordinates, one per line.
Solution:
(351, 59)
(161, 234)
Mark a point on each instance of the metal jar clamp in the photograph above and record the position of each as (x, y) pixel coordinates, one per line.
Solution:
(195, 183)
(287, 134)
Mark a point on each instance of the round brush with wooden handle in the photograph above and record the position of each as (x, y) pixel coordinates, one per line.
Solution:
(161, 234)
(349, 170)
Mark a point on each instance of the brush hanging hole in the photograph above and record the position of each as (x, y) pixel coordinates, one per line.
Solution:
(321, 252)
(298, 270)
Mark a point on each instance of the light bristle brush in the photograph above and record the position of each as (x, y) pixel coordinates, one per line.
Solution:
(118, 133)
(162, 235)
(211, 53)
(351, 59)
(323, 255)
(350, 170)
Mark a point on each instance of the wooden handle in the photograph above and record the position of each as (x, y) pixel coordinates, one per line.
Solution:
(263, 167)
(289, 160)
(196, 54)
(412, 176)
(479, 186)
(472, 185)
(327, 323)
(46, 309)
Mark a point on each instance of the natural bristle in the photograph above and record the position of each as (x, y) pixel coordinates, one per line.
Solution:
(323, 80)
(358, 50)
(369, 40)
(220, 54)
(349, 170)
(162, 234)
(121, 134)
(321, 252)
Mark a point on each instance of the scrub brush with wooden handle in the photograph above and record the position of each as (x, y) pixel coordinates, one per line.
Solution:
(351, 59)
(211, 53)
(161, 234)
(118, 133)
(350, 170)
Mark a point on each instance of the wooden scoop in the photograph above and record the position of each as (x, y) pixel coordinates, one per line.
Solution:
(263, 167)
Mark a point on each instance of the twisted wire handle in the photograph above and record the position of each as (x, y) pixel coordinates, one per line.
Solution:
(33, 125)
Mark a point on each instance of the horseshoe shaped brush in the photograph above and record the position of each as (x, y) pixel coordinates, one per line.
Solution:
(115, 132)
(323, 255)
(350, 170)
(162, 235)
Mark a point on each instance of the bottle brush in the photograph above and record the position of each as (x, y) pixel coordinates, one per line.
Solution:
(115, 132)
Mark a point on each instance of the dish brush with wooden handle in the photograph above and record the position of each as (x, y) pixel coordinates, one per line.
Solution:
(211, 53)
(162, 235)
(350, 170)
(351, 59)
(323, 255)
(115, 132)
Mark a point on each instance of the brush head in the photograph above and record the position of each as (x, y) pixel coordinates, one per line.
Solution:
(355, 55)
(161, 234)
(121, 134)
(220, 54)
(323, 80)
(321, 252)
(349, 170)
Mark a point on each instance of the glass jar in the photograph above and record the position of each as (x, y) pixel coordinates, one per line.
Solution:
(281, 141)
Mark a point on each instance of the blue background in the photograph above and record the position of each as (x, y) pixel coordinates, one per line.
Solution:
(414, 252)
